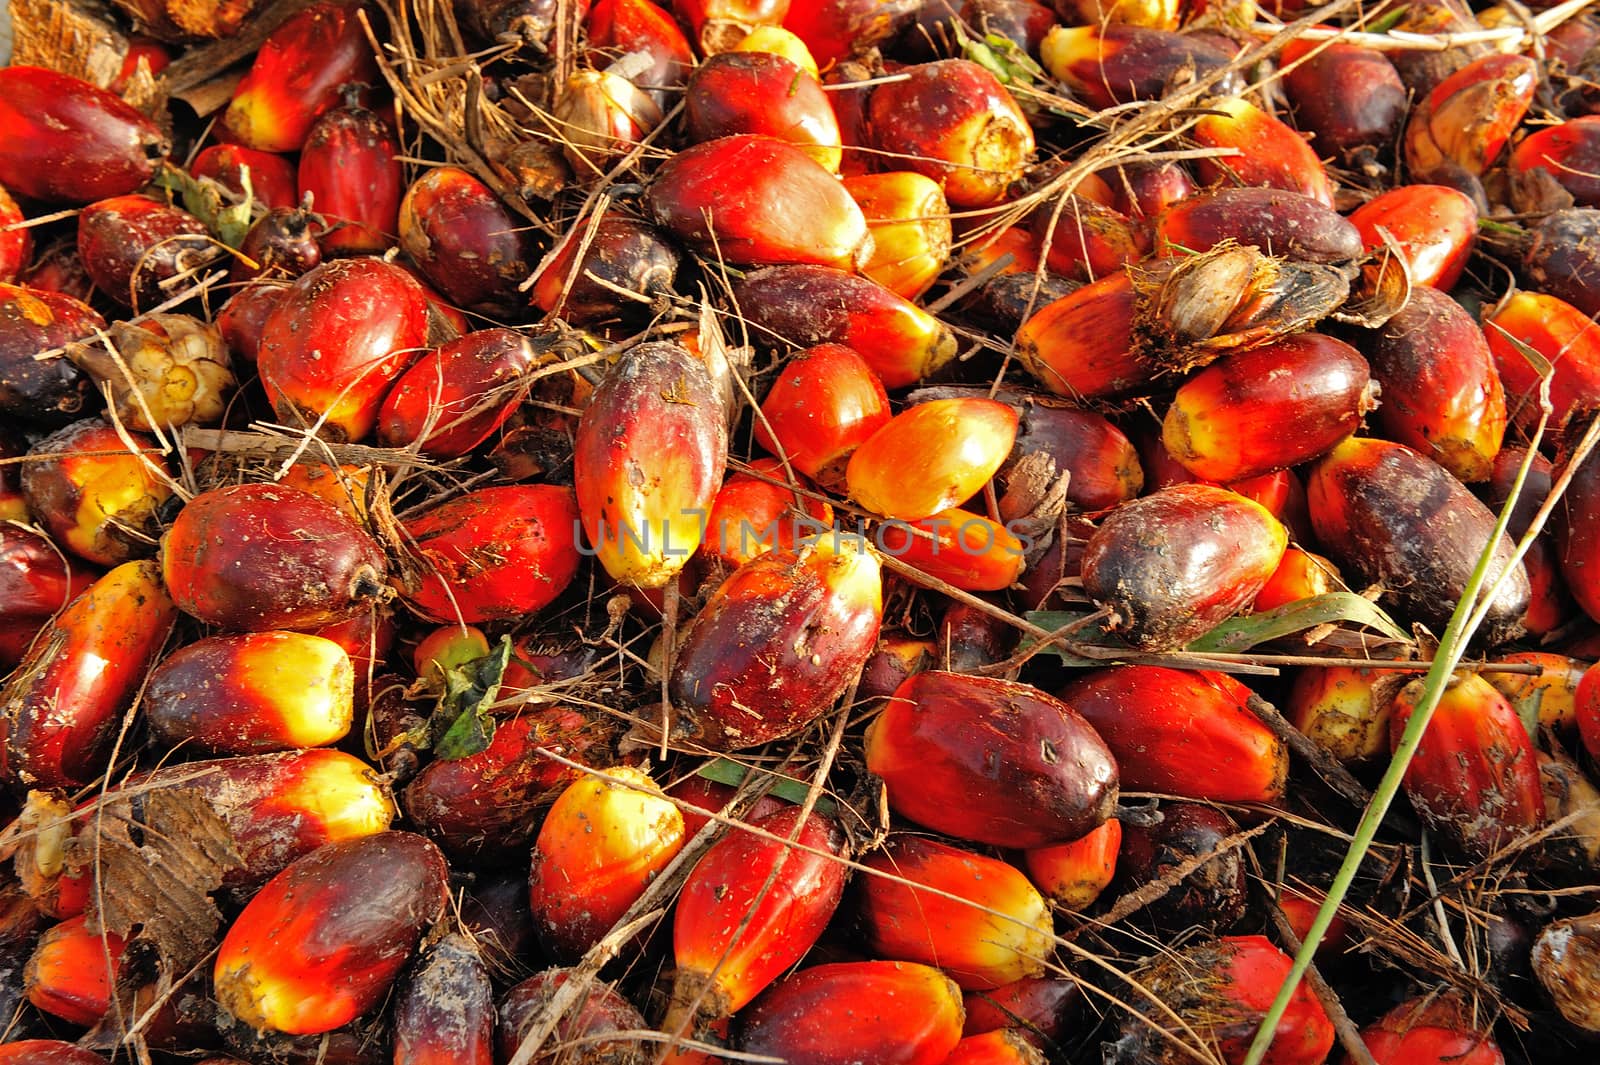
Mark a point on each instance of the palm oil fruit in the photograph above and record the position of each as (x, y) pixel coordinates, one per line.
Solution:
(64, 140)
(931, 457)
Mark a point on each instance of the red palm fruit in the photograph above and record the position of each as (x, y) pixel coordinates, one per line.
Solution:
(132, 246)
(1277, 221)
(1299, 908)
(350, 168)
(72, 971)
(1182, 732)
(777, 644)
(60, 711)
(647, 461)
(255, 692)
(1563, 259)
(1435, 227)
(272, 176)
(1073, 874)
(1081, 345)
(1173, 565)
(1300, 575)
(1587, 711)
(283, 243)
(1577, 539)
(579, 280)
(1272, 153)
(1551, 605)
(444, 1013)
(895, 1013)
(1565, 336)
(616, 28)
(336, 342)
(589, 1032)
(16, 240)
(1221, 991)
(297, 76)
(1102, 461)
(1214, 895)
(1474, 777)
(64, 140)
(53, 391)
(493, 800)
(1003, 1046)
(243, 318)
(959, 547)
(1256, 411)
(834, 30)
(1451, 409)
(991, 761)
(699, 797)
(36, 579)
(931, 456)
(1429, 1031)
(1464, 122)
(718, 25)
(808, 305)
(454, 397)
(751, 199)
(753, 515)
(1334, 706)
(600, 846)
(824, 404)
(56, 268)
(953, 121)
(1549, 696)
(724, 959)
(464, 240)
(1085, 241)
(1117, 63)
(323, 941)
(909, 219)
(764, 93)
(1390, 515)
(322, 567)
(92, 494)
(970, 639)
(995, 930)
(1347, 97)
(47, 1052)
(1145, 190)
(1041, 1008)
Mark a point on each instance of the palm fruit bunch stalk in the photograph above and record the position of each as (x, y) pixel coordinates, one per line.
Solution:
(825, 531)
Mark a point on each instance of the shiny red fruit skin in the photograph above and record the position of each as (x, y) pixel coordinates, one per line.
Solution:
(1255, 970)
(1434, 225)
(1103, 463)
(495, 554)
(1346, 96)
(1569, 152)
(464, 240)
(272, 176)
(833, 29)
(16, 240)
(824, 404)
(66, 141)
(991, 761)
(765, 93)
(72, 970)
(36, 580)
(1277, 221)
(1428, 1031)
(618, 27)
(337, 341)
(1042, 1006)
(129, 245)
(47, 1052)
(1561, 333)
(323, 941)
(243, 317)
(350, 167)
(453, 398)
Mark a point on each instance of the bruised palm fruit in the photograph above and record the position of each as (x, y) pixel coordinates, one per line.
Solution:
(894, 1013)
(250, 693)
(1221, 990)
(322, 566)
(1213, 896)
(324, 940)
(142, 252)
(1335, 707)
(762, 93)
(454, 397)
(1182, 732)
(777, 645)
(620, 253)
(991, 761)
(1433, 1030)
(909, 218)
(1566, 337)
(648, 460)
(1392, 516)
(337, 340)
(1463, 124)
(931, 456)
(1275, 406)
(1271, 153)
(962, 548)
(464, 240)
(1117, 64)
(1442, 394)
(600, 846)
(72, 970)
(444, 1013)
(1348, 97)
(1563, 259)
(1073, 874)
(1277, 221)
(616, 28)
(47, 1052)
(589, 1032)
(1102, 462)
(751, 199)
(808, 305)
(296, 77)
(63, 140)
(758, 512)
(45, 392)
(995, 930)
(1434, 226)
(93, 494)
(1474, 777)
(272, 176)
(1084, 240)
(1174, 565)
(1565, 958)
(1081, 345)
(60, 710)
(350, 170)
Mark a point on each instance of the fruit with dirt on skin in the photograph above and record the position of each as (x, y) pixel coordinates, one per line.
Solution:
(1464, 123)
(580, 279)
(593, 1030)
(350, 170)
(444, 1013)
(1549, 696)
(464, 240)
(454, 397)
(1073, 874)
(1084, 240)
(1336, 708)
(1043, 1007)
(63, 140)
(1566, 957)
(1277, 221)
(931, 457)
(142, 252)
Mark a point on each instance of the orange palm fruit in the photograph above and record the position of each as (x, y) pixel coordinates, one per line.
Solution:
(1182, 732)
(1300, 575)
(931, 456)
(895, 1013)
(1272, 153)
(464, 240)
(47, 1052)
(1073, 874)
(444, 1014)
(50, 392)
(991, 761)
(1549, 696)
(1435, 227)
(1003, 1046)
(1081, 345)
(94, 494)
(60, 710)
(64, 140)
(72, 971)
(350, 167)
(761, 92)
(995, 930)
(756, 512)
(1117, 63)
(909, 219)
(600, 846)
(324, 940)
(648, 461)
(1277, 221)
(959, 547)
(1564, 336)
